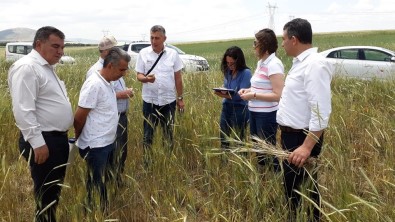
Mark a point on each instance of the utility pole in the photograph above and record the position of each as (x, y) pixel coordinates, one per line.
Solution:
(272, 9)
(105, 32)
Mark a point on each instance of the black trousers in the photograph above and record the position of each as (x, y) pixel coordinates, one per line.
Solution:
(120, 152)
(154, 115)
(294, 177)
(48, 175)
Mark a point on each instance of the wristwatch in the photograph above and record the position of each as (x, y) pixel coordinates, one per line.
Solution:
(180, 98)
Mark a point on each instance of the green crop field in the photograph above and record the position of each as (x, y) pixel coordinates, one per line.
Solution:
(194, 183)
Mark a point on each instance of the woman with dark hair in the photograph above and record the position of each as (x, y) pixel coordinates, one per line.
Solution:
(237, 75)
(266, 86)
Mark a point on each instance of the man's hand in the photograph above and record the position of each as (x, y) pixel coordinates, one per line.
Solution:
(41, 154)
(150, 78)
(146, 78)
(129, 92)
(125, 94)
(180, 105)
(299, 156)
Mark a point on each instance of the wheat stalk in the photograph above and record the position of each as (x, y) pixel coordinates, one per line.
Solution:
(260, 146)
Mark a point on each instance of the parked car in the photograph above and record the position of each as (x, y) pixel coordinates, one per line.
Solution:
(364, 62)
(66, 59)
(192, 63)
(16, 50)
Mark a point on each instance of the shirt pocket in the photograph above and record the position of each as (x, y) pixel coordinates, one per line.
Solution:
(166, 66)
(148, 66)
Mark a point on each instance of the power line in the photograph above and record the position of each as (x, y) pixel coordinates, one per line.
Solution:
(222, 24)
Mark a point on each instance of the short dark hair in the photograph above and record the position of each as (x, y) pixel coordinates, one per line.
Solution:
(237, 54)
(158, 28)
(43, 34)
(115, 55)
(301, 29)
(266, 41)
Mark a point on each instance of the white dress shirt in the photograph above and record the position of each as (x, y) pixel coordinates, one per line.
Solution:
(39, 98)
(306, 98)
(163, 90)
(101, 124)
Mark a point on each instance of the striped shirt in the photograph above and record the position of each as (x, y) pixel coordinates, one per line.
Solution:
(260, 83)
(122, 104)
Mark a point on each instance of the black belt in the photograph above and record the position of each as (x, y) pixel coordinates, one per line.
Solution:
(121, 113)
(287, 129)
(54, 133)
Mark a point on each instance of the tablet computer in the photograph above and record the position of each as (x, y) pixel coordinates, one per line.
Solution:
(220, 89)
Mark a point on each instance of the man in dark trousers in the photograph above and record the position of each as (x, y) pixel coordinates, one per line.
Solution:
(162, 88)
(43, 114)
(304, 110)
(96, 121)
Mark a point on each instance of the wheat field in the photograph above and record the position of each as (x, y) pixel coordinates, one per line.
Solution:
(199, 182)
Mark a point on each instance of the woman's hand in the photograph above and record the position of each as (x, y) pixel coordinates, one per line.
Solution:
(244, 91)
(246, 94)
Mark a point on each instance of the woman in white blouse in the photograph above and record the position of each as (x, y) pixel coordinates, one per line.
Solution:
(265, 91)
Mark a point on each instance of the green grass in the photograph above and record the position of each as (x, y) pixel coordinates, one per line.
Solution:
(195, 183)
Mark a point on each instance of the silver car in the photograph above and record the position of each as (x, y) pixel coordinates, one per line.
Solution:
(364, 62)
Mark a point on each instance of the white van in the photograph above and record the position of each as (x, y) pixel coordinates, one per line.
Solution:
(16, 50)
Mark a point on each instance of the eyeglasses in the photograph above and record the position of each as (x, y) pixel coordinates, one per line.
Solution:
(230, 63)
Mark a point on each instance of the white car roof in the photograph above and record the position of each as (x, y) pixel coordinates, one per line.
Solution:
(20, 43)
(359, 47)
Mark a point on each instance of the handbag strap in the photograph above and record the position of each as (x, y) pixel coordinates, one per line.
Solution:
(153, 66)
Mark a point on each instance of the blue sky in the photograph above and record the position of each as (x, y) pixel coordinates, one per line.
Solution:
(192, 20)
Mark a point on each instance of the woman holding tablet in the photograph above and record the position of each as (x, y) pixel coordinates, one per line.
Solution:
(235, 114)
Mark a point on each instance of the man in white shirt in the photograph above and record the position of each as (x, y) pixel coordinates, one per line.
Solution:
(123, 95)
(43, 114)
(96, 120)
(162, 88)
(304, 111)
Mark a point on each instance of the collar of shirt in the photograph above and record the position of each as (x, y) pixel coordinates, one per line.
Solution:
(101, 60)
(302, 56)
(105, 81)
(151, 50)
(268, 59)
(37, 56)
